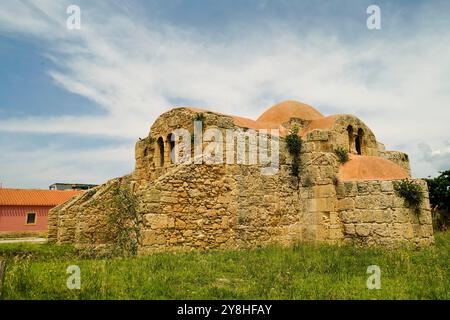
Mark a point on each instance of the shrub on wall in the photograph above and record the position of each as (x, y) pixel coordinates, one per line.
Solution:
(199, 117)
(342, 154)
(124, 222)
(294, 147)
(411, 192)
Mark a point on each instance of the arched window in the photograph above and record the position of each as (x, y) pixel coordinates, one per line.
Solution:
(350, 138)
(160, 150)
(359, 141)
(171, 148)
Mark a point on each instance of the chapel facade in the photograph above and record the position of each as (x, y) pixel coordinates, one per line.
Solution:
(197, 204)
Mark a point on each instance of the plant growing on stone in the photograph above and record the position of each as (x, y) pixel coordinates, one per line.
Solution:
(335, 180)
(307, 181)
(200, 117)
(411, 192)
(294, 146)
(342, 154)
(124, 222)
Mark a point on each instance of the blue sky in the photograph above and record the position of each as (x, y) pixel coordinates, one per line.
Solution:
(73, 102)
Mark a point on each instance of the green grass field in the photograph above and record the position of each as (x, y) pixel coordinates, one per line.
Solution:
(303, 271)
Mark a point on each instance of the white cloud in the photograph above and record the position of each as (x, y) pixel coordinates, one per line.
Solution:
(438, 159)
(43, 166)
(133, 69)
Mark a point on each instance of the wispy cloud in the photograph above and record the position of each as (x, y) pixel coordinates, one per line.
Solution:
(439, 158)
(135, 69)
(45, 165)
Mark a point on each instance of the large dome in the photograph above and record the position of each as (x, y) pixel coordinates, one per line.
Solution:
(283, 111)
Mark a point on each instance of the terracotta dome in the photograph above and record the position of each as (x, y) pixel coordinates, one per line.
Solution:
(283, 111)
(370, 168)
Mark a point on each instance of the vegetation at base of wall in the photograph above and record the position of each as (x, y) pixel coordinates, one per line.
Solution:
(294, 147)
(342, 154)
(18, 235)
(39, 252)
(411, 192)
(439, 189)
(124, 222)
(302, 271)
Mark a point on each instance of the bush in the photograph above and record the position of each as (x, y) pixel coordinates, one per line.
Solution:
(342, 154)
(294, 147)
(294, 142)
(124, 222)
(199, 117)
(439, 189)
(411, 192)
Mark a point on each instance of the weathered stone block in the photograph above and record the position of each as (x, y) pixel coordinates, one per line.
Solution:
(348, 216)
(169, 199)
(346, 204)
(152, 195)
(324, 191)
(370, 215)
(318, 135)
(386, 186)
(362, 230)
(151, 237)
(320, 204)
(351, 189)
(180, 224)
(349, 229)
(156, 221)
(381, 229)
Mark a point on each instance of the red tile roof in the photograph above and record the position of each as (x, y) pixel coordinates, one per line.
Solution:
(24, 197)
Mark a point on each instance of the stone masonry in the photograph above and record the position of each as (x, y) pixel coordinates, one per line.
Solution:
(208, 206)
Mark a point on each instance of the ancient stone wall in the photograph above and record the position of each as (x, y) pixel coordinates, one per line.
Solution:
(219, 206)
(371, 213)
(397, 157)
(201, 206)
(83, 220)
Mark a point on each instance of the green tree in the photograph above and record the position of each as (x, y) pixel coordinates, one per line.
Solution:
(439, 189)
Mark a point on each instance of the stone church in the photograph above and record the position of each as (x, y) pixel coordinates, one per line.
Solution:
(199, 205)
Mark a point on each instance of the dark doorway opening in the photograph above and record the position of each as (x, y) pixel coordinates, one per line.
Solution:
(161, 151)
(350, 138)
(358, 145)
(359, 141)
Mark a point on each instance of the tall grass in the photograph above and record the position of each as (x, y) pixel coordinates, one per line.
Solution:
(303, 271)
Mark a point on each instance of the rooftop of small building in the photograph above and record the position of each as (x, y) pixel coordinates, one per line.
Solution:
(35, 197)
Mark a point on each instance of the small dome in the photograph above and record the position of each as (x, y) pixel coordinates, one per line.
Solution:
(283, 111)
(370, 168)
